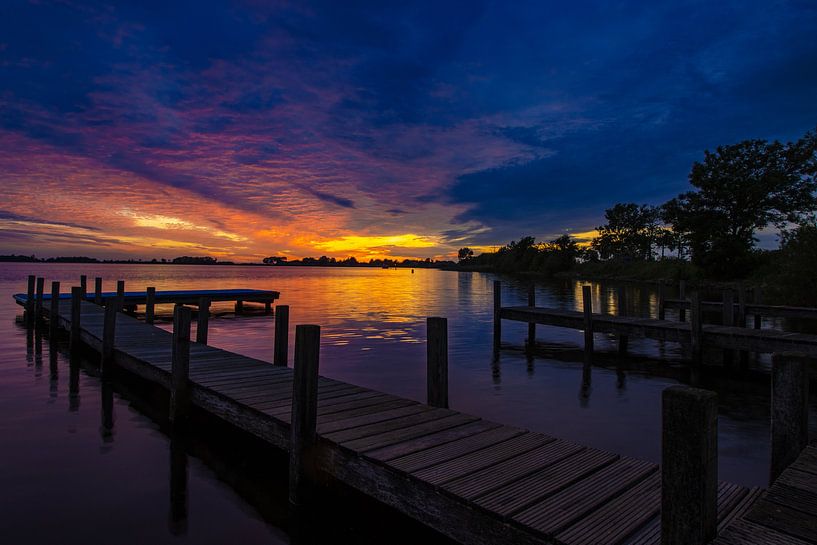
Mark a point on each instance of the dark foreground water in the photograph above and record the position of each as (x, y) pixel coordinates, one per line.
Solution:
(83, 462)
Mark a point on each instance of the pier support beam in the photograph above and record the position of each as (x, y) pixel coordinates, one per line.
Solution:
(682, 294)
(83, 284)
(280, 349)
(304, 413)
(120, 295)
(497, 315)
(621, 307)
(30, 303)
(239, 307)
(54, 311)
(98, 290)
(662, 296)
(150, 305)
(203, 320)
(689, 466)
(108, 338)
(77, 296)
(789, 427)
(437, 362)
(696, 327)
(38, 305)
(531, 325)
(180, 366)
(728, 320)
(587, 305)
(758, 300)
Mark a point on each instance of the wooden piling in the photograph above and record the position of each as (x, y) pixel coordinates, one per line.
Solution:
(689, 466)
(53, 314)
(239, 307)
(108, 337)
(267, 307)
(38, 305)
(728, 320)
(304, 412)
(662, 296)
(203, 320)
(120, 295)
(30, 302)
(98, 290)
(758, 300)
(789, 427)
(531, 325)
(682, 289)
(180, 365)
(437, 362)
(696, 327)
(621, 307)
(83, 284)
(150, 305)
(587, 304)
(497, 314)
(77, 295)
(280, 350)
(741, 318)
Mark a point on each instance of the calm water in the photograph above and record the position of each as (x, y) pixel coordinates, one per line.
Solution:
(63, 462)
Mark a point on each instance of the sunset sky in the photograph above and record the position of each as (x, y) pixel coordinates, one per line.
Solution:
(248, 129)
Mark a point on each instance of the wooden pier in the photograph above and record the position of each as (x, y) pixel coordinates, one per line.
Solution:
(471, 479)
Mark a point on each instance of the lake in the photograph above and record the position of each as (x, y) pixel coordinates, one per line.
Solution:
(72, 459)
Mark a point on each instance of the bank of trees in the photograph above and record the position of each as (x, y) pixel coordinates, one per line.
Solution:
(527, 255)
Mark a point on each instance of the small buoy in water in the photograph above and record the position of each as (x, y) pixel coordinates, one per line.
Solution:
(412, 271)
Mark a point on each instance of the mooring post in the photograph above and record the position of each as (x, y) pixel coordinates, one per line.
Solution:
(267, 307)
(120, 295)
(790, 389)
(437, 362)
(280, 349)
(758, 299)
(83, 284)
(531, 325)
(108, 337)
(587, 303)
(38, 305)
(77, 296)
(54, 311)
(304, 412)
(689, 466)
(682, 295)
(98, 290)
(150, 305)
(621, 307)
(662, 311)
(29, 308)
(497, 314)
(203, 320)
(180, 365)
(696, 327)
(239, 307)
(728, 320)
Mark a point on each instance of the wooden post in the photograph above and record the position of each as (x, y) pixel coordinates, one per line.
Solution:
(728, 320)
(304, 411)
(267, 307)
(98, 290)
(239, 307)
(696, 327)
(790, 389)
(662, 311)
(30, 303)
(180, 365)
(741, 321)
(108, 337)
(150, 305)
(621, 306)
(83, 284)
(203, 320)
(531, 325)
(77, 295)
(38, 305)
(120, 295)
(54, 311)
(758, 299)
(437, 362)
(682, 295)
(689, 466)
(497, 314)
(280, 349)
(587, 303)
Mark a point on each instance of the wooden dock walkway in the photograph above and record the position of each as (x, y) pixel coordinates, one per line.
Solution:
(471, 479)
(784, 515)
(184, 297)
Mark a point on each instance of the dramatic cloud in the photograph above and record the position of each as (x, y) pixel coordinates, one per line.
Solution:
(247, 129)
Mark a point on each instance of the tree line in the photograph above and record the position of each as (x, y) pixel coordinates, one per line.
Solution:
(737, 191)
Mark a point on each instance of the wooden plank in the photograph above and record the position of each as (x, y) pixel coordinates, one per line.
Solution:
(784, 519)
(444, 437)
(393, 404)
(344, 436)
(744, 532)
(395, 436)
(458, 467)
(373, 418)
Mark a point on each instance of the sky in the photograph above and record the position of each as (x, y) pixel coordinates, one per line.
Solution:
(248, 129)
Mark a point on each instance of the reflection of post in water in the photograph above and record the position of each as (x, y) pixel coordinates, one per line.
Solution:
(53, 372)
(529, 359)
(496, 371)
(30, 346)
(621, 378)
(73, 383)
(177, 519)
(38, 352)
(106, 429)
(584, 391)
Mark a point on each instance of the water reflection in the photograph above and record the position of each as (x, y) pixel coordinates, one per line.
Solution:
(177, 518)
(106, 431)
